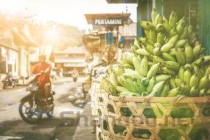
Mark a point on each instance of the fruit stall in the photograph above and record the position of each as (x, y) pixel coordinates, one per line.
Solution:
(160, 90)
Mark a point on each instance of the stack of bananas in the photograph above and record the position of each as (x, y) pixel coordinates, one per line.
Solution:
(165, 62)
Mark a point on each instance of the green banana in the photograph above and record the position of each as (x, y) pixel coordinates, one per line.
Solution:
(180, 56)
(159, 28)
(151, 84)
(157, 89)
(156, 51)
(157, 59)
(197, 50)
(188, 53)
(168, 57)
(113, 79)
(162, 77)
(158, 19)
(166, 47)
(166, 25)
(173, 19)
(142, 40)
(178, 82)
(173, 32)
(137, 64)
(202, 92)
(171, 65)
(172, 82)
(153, 70)
(136, 43)
(149, 48)
(165, 90)
(153, 15)
(147, 25)
(181, 73)
(184, 33)
(165, 70)
(187, 76)
(173, 92)
(153, 35)
(145, 81)
(160, 38)
(194, 91)
(203, 82)
(121, 89)
(180, 25)
(173, 39)
(144, 66)
(140, 86)
(180, 43)
(194, 80)
(142, 51)
(130, 84)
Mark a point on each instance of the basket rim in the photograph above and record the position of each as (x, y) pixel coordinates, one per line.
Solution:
(180, 99)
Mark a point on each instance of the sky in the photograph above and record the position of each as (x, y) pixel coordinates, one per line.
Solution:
(70, 12)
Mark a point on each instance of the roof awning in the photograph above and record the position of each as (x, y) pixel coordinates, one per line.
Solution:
(20, 39)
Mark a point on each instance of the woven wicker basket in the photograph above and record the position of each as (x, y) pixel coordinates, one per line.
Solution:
(151, 118)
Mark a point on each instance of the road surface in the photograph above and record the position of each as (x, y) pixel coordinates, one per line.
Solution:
(61, 127)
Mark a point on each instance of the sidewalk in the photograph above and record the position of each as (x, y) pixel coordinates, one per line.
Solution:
(84, 127)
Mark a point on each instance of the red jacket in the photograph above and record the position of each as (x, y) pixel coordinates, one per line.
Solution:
(44, 78)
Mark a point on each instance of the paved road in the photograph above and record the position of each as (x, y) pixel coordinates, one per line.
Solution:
(58, 128)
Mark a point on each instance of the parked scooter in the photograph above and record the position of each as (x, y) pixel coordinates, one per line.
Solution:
(33, 105)
(10, 80)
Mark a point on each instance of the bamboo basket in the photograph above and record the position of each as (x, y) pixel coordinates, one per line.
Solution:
(138, 121)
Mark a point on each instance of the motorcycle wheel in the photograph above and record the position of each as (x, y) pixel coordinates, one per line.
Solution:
(50, 113)
(29, 114)
(4, 86)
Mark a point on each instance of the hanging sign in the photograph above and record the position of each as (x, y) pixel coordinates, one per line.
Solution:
(110, 21)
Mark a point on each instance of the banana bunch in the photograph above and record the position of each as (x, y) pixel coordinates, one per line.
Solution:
(165, 62)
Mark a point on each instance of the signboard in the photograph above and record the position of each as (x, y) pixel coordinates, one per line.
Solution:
(110, 21)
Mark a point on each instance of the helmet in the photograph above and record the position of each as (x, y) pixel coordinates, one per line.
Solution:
(42, 57)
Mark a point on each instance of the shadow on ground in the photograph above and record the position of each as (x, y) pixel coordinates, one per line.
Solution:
(53, 129)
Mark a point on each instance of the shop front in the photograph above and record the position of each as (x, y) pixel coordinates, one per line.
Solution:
(105, 36)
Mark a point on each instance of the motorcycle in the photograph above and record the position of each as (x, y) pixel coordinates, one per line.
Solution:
(75, 74)
(33, 106)
(10, 80)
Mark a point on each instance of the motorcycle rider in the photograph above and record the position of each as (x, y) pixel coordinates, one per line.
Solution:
(43, 80)
(75, 74)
